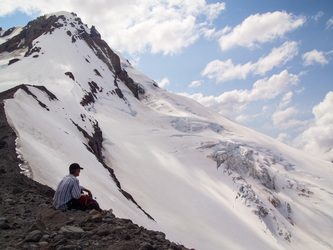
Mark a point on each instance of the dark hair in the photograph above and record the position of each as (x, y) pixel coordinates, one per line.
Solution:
(73, 167)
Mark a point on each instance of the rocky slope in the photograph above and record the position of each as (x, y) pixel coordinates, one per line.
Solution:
(29, 221)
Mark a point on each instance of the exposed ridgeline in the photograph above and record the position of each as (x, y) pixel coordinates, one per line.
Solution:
(47, 24)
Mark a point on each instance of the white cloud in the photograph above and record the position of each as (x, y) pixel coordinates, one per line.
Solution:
(244, 118)
(281, 116)
(165, 82)
(225, 70)
(329, 23)
(261, 28)
(10, 6)
(195, 84)
(317, 16)
(232, 103)
(313, 57)
(277, 57)
(208, 33)
(134, 26)
(286, 99)
(272, 87)
(264, 109)
(301, 90)
(284, 137)
(227, 104)
(283, 119)
(212, 10)
(318, 138)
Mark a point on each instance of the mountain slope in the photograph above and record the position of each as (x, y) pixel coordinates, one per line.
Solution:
(159, 159)
(29, 220)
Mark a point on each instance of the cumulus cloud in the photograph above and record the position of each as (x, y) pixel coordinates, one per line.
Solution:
(227, 104)
(283, 137)
(225, 70)
(9, 7)
(269, 88)
(313, 57)
(244, 118)
(286, 99)
(134, 26)
(195, 84)
(260, 28)
(231, 103)
(283, 119)
(211, 10)
(277, 57)
(318, 138)
(165, 82)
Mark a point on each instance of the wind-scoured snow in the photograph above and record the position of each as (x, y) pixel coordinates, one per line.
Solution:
(207, 182)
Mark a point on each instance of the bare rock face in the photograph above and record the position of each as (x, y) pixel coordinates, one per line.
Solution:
(106, 54)
(94, 32)
(33, 30)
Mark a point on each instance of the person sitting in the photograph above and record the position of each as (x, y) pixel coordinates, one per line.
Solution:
(69, 193)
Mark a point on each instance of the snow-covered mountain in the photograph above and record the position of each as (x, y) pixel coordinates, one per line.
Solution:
(160, 159)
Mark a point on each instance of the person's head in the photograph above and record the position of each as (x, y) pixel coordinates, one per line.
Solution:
(75, 169)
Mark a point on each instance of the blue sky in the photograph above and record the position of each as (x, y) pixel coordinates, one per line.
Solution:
(264, 64)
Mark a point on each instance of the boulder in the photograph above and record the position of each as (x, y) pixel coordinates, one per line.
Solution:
(71, 232)
(34, 236)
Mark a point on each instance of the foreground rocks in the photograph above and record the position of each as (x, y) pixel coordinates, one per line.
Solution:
(28, 221)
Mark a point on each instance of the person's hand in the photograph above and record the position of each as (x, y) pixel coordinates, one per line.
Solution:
(88, 191)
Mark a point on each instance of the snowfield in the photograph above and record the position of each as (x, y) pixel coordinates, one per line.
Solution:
(207, 182)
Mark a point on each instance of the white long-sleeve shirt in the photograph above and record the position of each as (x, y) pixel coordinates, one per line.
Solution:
(69, 188)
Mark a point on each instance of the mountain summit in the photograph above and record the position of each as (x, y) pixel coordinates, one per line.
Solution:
(160, 159)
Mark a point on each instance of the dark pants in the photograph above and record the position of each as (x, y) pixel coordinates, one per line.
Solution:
(75, 204)
(84, 203)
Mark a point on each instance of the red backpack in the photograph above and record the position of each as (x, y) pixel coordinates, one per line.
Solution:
(88, 203)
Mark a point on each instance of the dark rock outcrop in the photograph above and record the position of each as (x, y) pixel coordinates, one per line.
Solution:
(13, 61)
(70, 75)
(112, 60)
(29, 33)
